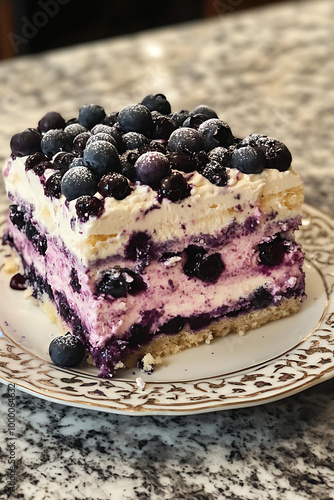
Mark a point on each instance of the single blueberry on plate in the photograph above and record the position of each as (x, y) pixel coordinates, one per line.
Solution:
(112, 283)
(151, 168)
(51, 120)
(90, 115)
(215, 173)
(135, 118)
(248, 159)
(114, 185)
(66, 350)
(88, 206)
(101, 157)
(175, 187)
(52, 187)
(272, 253)
(26, 143)
(157, 102)
(55, 141)
(185, 140)
(215, 133)
(78, 181)
(202, 109)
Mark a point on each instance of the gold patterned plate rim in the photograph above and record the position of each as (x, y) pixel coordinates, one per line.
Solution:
(308, 362)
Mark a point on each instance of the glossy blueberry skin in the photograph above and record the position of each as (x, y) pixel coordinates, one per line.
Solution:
(181, 161)
(175, 187)
(248, 160)
(90, 115)
(185, 140)
(26, 143)
(52, 187)
(55, 141)
(135, 118)
(216, 133)
(151, 168)
(78, 181)
(101, 157)
(51, 120)
(157, 102)
(67, 351)
(80, 141)
(114, 185)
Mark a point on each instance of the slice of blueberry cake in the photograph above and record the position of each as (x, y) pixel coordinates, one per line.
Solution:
(149, 231)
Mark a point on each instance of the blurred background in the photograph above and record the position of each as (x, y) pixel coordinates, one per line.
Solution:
(30, 26)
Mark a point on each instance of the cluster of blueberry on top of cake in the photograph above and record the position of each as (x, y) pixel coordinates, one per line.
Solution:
(146, 143)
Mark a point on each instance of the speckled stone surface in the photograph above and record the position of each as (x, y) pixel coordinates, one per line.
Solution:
(269, 71)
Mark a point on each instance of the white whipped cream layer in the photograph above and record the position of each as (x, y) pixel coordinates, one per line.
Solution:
(207, 210)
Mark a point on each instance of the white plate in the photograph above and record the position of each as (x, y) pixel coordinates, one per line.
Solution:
(272, 362)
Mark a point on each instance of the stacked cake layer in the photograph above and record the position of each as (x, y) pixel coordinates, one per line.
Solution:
(158, 264)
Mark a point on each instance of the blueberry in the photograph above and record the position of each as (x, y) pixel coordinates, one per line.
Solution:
(221, 155)
(151, 168)
(39, 242)
(102, 128)
(115, 185)
(134, 282)
(210, 267)
(112, 283)
(215, 133)
(159, 145)
(181, 161)
(157, 102)
(76, 162)
(175, 187)
(174, 325)
(180, 116)
(200, 160)
(101, 136)
(135, 118)
(16, 216)
(78, 181)
(185, 140)
(40, 168)
(162, 126)
(87, 206)
(90, 115)
(110, 119)
(215, 173)
(101, 157)
(67, 351)
(62, 161)
(51, 120)
(25, 143)
(74, 129)
(52, 187)
(80, 141)
(271, 253)
(194, 254)
(133, 140)
(248, 159)
(34, 160)
(18, 282)
(54, 141)
(261, 298)
(277, 155)
(194, 121)
(202, 109)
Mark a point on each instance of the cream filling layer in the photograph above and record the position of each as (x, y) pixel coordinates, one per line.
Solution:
(207, 210)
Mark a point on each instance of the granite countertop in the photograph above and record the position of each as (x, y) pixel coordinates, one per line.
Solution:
(269, 71)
